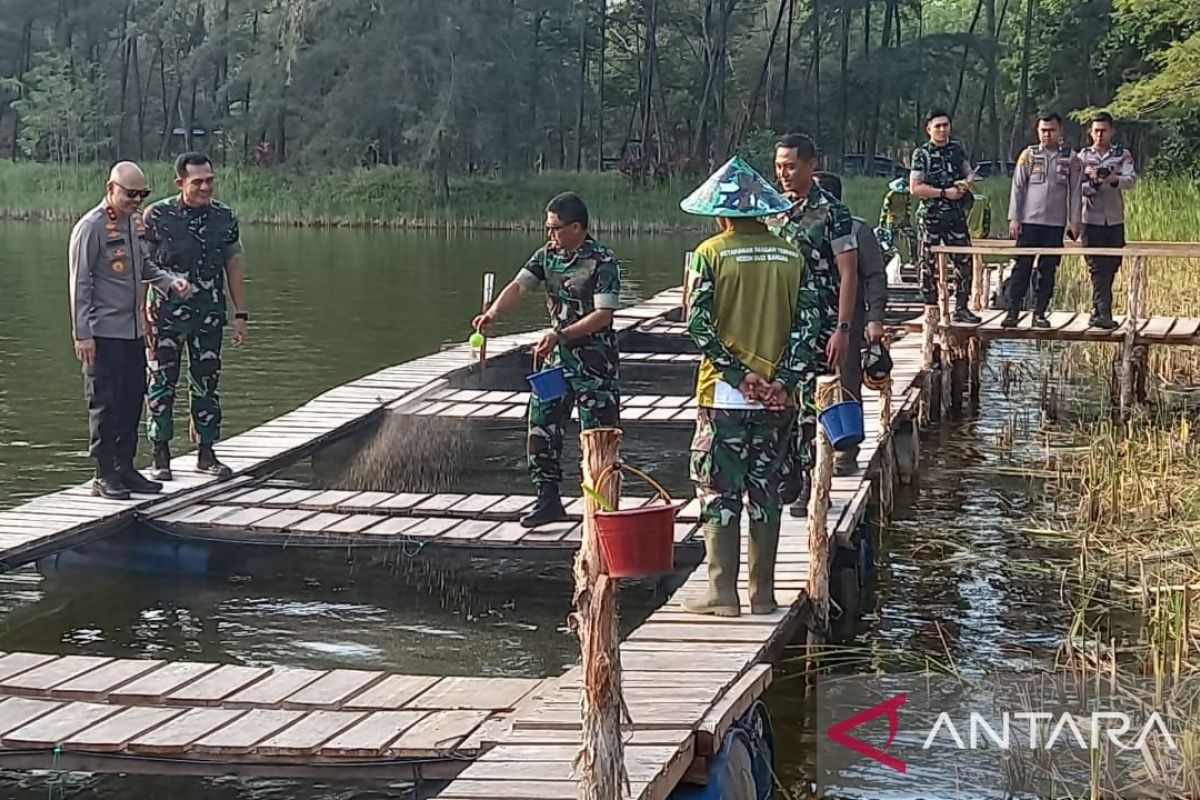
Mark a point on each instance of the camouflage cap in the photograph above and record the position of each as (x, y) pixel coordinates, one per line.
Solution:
(899, 185)
(735, 190)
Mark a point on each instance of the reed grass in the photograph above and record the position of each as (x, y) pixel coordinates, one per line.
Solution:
(395, 197)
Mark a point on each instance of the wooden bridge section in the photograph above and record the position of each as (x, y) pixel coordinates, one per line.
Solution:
(1137, 327)
(246, 720)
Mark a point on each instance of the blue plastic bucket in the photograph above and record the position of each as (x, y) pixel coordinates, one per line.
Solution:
(548, 384)
(843, 424)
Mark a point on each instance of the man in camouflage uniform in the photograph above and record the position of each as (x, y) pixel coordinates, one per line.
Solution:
(192, 234)
(583, 289)
(753, 312)
(821, 228)
(895, 217)
(941, 177)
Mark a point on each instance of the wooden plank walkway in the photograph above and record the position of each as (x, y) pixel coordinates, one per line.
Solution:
(1071, 326)
(246, 716)
(72, 516)
(686, 678)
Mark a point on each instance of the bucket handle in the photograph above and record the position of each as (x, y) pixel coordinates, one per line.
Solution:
(844, 391)
(610, 470)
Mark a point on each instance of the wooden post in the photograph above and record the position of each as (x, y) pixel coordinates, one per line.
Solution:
(489, 283)
(687, 284)
(947, 378)
(928, 332)
(977, 288)
(600, 763)
(1133, 313)
(975, 366)
(946, 373)
(828, 393)
(887, 463)
(943, 289)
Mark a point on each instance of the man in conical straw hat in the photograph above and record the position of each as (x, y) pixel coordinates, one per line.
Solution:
(753, 311)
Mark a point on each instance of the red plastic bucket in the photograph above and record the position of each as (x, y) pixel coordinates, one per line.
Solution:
(638, 541)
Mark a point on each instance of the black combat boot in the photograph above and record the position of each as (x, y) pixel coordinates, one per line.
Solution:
(1040, 320)
(1010, 319)
(161, 470)
(799, 508)
(964, 314)
(1102, 318)
(107, 484)
(207, 463)
(547, 509)
(134, 481)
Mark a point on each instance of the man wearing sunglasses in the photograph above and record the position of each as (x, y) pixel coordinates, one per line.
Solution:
(583, 288)
(107, 266)
(199, 237)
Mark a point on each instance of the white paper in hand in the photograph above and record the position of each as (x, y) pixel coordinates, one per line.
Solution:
(727, 396)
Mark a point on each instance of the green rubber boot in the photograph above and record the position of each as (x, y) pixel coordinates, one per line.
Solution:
(723, 544)
(764, 544)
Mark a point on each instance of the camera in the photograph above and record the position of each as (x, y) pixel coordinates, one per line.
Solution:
(1102, 173)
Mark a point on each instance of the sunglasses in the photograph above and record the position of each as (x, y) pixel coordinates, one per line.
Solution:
(140, 194)
(554, 228)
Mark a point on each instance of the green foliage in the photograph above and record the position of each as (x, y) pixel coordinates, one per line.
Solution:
(57, 112)
(461, 88)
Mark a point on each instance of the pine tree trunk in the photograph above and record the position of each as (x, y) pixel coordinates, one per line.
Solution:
(816, 49)
(844, 105)
(600, 126)
(1023, 94)
(583, 56)
(787, 60)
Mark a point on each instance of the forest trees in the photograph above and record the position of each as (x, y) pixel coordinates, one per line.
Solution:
(649, 86)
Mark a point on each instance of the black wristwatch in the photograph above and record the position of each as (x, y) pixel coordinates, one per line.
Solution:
(843, 327)
(943, 194)
(242, 315)
(560, 336)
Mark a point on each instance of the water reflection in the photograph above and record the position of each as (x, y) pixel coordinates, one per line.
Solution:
(962, 582)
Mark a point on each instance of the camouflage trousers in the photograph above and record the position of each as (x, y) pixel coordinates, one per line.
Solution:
(736, 459)
(948, 230)
(172, 329)
(599, 406)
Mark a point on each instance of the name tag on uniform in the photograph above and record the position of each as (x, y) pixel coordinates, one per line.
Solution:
(729, 397)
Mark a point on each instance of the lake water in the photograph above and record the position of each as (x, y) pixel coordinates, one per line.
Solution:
(953, 581)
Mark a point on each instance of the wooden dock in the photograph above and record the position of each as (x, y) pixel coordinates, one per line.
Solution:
(72, 516)
(1067, 326)
(269, 512)
(158, 716)
(687, 678)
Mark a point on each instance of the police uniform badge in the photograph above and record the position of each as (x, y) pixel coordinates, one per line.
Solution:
(1037, 168)
(118, 259)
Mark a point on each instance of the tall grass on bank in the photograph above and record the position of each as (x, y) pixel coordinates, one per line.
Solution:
(397, 197)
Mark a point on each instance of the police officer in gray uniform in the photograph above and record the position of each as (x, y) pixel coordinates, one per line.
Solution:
(107, 267)
(868, 310)
(1044, 201)
(1107, 173)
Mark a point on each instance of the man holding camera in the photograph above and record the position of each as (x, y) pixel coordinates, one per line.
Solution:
(1107, 173)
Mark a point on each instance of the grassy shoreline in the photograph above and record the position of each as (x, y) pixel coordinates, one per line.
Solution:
(398, 197)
